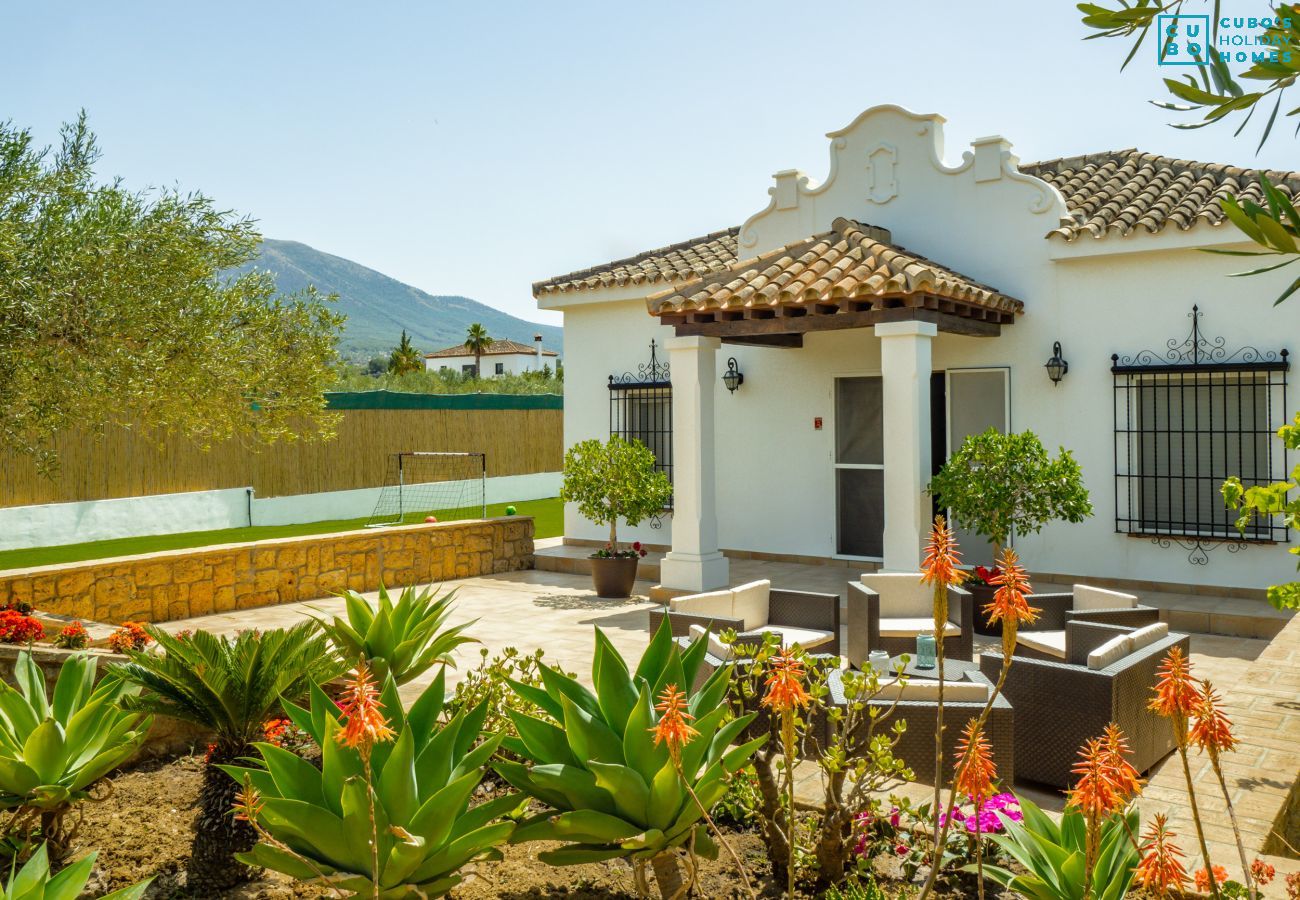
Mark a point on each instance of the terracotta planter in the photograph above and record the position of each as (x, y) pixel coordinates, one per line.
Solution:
(613, 578)
(983, 594)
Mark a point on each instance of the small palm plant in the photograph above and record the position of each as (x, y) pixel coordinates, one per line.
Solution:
(54, 750)
(613, 790)
(388, 814)
(405, 638)
(34, 881)
(229, 686)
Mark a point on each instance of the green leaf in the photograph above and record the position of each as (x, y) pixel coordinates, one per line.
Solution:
(630, 792)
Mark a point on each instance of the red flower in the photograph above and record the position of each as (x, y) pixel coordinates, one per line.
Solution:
(1202, 878)
(986, 575)
(19, 628)
(72, 637)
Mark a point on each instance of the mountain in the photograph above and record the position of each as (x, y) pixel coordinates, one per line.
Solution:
(379, 307)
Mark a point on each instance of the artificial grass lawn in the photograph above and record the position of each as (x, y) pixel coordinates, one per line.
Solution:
(548, 521)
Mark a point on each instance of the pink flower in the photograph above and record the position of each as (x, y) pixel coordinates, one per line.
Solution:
(900, 849)
(894, 816)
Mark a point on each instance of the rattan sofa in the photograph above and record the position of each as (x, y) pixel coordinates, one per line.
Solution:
(1045, 639)
(809, 619)
(888, 611)
(1060, 704)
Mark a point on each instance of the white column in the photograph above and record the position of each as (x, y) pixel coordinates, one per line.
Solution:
(905, 379)
(694, 563)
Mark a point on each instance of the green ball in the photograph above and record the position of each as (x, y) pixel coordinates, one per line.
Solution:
(510, 510)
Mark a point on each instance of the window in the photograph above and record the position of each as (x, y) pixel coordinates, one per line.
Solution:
(859, 468)
(501, 368)
(1185, 421)
(641, 409)
(467, 369)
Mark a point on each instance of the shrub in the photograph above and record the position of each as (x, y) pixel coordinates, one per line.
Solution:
(19, 628)
(611, 790)
(491, 682)
(54, 749)
(131, 637)
(396, 776)
(72, 637)
(405, 638)
(612, 481)
(229, 686)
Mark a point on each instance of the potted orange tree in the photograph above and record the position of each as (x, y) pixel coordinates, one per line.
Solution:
(610, 481)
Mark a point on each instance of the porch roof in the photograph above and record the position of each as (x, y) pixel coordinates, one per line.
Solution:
(850, 276)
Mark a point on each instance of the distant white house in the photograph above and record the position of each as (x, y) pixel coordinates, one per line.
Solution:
(861, 315)
(500, 358)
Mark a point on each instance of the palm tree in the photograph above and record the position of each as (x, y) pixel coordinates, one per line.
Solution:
(476, 341)
(404, 357)
(229, 686)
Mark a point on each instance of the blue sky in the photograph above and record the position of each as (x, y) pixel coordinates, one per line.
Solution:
(473, 148)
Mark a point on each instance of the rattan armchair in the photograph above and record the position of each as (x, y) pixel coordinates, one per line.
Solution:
(887, 612)
(806, 618)
(1045, 639)
(1060, 704)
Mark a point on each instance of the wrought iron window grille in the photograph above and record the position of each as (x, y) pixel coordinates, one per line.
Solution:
(1187, 418)
(641, 408)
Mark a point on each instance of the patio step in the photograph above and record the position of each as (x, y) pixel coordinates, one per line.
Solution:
(552, 555)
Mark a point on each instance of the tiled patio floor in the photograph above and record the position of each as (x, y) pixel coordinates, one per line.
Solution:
(557, 612)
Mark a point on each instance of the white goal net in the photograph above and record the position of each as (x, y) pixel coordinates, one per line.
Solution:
(419, 485)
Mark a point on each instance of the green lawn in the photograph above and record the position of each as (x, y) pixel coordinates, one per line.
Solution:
(548, 516)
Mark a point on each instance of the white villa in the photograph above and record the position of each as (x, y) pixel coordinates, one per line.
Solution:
(500, 358)
(911, 299)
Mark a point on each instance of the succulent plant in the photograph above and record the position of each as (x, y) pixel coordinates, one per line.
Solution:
(34, 881)
(405, 638)
(315, 824)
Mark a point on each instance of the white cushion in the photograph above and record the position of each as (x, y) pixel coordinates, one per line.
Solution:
(1118, 647)
(750, 602)
(911, 627)
(807, 638)
(1049, 642)
(1088, 597)
(714, 603)
(901, 595)
(1148, 635)
(715, 646)
(927, 689)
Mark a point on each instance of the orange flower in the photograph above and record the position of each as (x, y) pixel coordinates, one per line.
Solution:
(942, 557)
(248, 803)
(976, 770)
(1099, 790)
(672, 728)
(1211, 729)
(1009, 603)
(1161, 869)
(1176, 696)
(1125, 777)
(1202, 878)
(1262, 872)
(365, 725)
(785, 690)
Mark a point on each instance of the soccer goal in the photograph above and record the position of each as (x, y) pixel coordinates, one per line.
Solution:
(445, 485)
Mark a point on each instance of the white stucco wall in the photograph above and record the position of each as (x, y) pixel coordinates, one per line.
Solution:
(775, 482)
(514, 363)
(101, 520)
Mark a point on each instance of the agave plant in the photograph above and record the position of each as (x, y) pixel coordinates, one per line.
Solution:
(316, 824)
(1055, 855)
(229, 686)
(54, 749)
(34, 882)
(405, 638)
(612, 790)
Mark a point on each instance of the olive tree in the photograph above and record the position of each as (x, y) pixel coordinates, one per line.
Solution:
(612, 481)
(1003, 484)
(124, 308)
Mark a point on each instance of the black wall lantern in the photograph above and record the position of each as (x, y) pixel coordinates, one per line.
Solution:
(1056, 366)
(732, 378)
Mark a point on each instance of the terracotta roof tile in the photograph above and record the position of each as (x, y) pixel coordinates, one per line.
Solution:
(852, 261)
(676, 262)
(1122, 191)
(496, 348)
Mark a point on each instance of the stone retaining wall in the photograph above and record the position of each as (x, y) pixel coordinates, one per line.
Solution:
(178, 584)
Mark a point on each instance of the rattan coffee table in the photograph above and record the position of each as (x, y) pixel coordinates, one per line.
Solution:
(953, 669)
